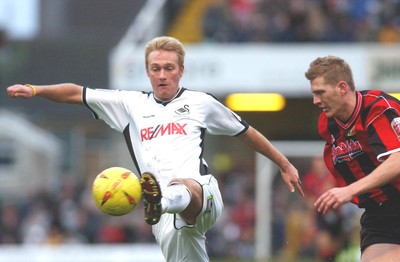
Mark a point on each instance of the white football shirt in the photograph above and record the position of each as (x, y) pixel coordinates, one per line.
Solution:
(165, 138)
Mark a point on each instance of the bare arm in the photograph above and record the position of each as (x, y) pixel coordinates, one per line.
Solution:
(261, 144)
(383, 174)
(61, 93)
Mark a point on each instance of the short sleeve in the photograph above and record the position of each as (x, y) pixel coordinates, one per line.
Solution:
(107, 105)
(221, 120)
(384, 133)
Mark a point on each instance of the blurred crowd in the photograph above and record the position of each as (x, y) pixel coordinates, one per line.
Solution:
(302, 21)
(298, 230)
(69, 216)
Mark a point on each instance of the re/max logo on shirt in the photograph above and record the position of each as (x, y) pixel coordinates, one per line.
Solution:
(162, 130)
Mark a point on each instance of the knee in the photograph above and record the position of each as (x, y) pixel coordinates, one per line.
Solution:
(176, 181)
(192, 186)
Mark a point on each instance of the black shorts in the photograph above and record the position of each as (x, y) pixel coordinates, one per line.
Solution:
(380, 224)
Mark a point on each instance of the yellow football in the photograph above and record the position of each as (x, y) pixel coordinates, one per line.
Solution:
(116, 191)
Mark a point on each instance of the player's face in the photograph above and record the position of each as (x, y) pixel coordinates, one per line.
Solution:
(164, 73)
(327, 97)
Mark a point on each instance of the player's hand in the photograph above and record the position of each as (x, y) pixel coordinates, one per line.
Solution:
(332, 199)
(22, 91)
(291, 177)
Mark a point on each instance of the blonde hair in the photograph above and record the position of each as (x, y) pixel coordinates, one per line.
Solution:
(333, 69)
(166, 43)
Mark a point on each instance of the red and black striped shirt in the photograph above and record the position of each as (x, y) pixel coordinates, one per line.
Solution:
(355, 148)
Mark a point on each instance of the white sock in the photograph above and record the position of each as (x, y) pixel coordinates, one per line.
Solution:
(176, 197)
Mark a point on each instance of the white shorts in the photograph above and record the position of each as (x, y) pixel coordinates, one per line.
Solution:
(182, 242)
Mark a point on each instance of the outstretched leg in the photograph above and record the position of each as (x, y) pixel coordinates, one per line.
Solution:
(182, 196)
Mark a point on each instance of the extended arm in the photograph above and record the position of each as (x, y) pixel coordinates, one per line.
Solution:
(383, 174)
(261, 144)
(61, 93)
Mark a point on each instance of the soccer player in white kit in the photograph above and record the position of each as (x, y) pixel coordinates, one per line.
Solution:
(164, 131)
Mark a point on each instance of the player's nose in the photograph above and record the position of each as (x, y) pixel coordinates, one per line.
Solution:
(162, 75)
(316, 100)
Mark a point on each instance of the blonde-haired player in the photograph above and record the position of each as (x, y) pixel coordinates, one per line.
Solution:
(164, 131)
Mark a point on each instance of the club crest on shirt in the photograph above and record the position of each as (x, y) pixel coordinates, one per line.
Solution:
(351, 132)
(396, 126)
(183, 110)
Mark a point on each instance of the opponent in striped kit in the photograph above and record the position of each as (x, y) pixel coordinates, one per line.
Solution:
(164, 131)
(362, 151)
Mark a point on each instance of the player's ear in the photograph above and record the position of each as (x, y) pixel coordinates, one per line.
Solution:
(343, 87)
(182, 70)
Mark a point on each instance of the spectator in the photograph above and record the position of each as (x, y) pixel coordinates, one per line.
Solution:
(303, 21)
(327, 235)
